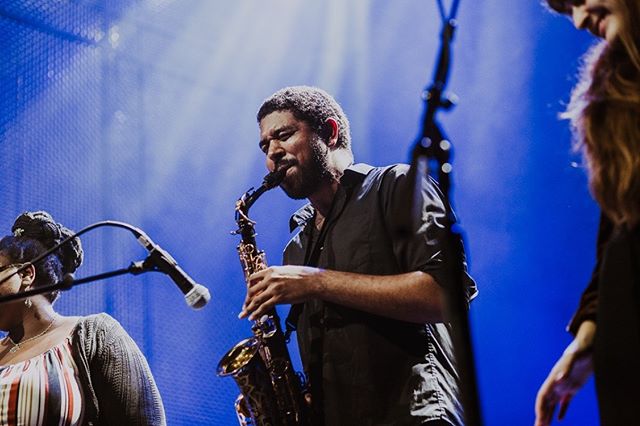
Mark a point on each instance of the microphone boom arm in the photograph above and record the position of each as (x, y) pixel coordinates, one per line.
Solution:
(136, 268)
(196, 295)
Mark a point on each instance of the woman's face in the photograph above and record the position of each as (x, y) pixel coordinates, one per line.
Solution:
(603, 18)
(7, 267)
(10, 286)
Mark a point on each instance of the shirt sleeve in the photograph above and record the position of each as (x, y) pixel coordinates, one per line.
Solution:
(422, 249)
(124, 385)
(588, 306)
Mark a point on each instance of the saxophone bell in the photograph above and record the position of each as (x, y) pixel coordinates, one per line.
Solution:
(257, 402)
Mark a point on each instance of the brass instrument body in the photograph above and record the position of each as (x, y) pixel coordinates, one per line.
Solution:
(270, 390)
(256, 404)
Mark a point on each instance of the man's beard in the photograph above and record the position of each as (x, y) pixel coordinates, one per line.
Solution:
(307, 179)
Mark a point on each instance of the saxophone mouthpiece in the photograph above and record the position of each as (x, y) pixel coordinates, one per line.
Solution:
(274, 178)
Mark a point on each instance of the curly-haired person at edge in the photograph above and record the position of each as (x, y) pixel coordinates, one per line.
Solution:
(605, 115)
(64, 370)
(372, 333)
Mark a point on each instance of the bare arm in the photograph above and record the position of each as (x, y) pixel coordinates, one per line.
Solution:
(412, 296)
(567, 376)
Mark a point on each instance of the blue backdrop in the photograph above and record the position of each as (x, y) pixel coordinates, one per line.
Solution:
(144, 111)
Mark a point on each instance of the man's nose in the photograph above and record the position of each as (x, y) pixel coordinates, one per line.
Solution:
(580, 16)
(275, 152)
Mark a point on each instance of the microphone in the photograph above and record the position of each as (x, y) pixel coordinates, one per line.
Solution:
(196, 295)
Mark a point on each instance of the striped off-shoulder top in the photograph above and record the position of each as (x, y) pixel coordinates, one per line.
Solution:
(43, 390)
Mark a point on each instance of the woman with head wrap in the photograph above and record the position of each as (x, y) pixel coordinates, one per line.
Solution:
(56, 369)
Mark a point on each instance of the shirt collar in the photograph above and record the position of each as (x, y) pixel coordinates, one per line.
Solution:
(353, 175)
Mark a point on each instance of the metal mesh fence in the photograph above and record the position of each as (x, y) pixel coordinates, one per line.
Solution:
(80, 109)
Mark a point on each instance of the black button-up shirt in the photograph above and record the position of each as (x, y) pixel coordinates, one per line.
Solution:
(367, 369)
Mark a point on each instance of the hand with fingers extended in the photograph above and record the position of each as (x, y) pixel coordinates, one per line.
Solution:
(567, 376)
(278, 285)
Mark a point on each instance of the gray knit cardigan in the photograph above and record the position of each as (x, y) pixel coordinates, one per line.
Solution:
(117, 382)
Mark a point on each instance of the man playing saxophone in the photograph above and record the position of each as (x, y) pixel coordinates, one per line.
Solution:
(370, 319)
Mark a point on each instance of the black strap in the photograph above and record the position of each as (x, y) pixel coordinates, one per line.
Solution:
(291, 322)
(311, 258)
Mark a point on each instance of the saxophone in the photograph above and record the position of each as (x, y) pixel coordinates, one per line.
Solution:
(270, 390)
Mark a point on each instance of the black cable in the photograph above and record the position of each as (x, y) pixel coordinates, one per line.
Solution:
(441, 9)
(136, 231)
(452, 15)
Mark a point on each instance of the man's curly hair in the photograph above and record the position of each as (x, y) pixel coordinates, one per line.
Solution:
(311, 105)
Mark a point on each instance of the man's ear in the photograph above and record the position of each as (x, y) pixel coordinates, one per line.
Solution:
(332, 129)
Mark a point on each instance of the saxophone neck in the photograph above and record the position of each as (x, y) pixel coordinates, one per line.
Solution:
(246, 225)
(270, 181)
(249, 198)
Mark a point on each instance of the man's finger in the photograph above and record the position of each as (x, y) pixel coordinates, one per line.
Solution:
(564, 405)
(260, 274)
(262, 309)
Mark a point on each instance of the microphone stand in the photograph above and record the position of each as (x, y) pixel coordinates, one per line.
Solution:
(432, 150)
(68, 281)
(135, 231)
(150, 264)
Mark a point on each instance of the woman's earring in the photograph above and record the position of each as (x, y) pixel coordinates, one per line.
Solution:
(28, 303)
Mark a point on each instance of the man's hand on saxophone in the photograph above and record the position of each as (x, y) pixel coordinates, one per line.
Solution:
(279, 285)
(412, 296)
